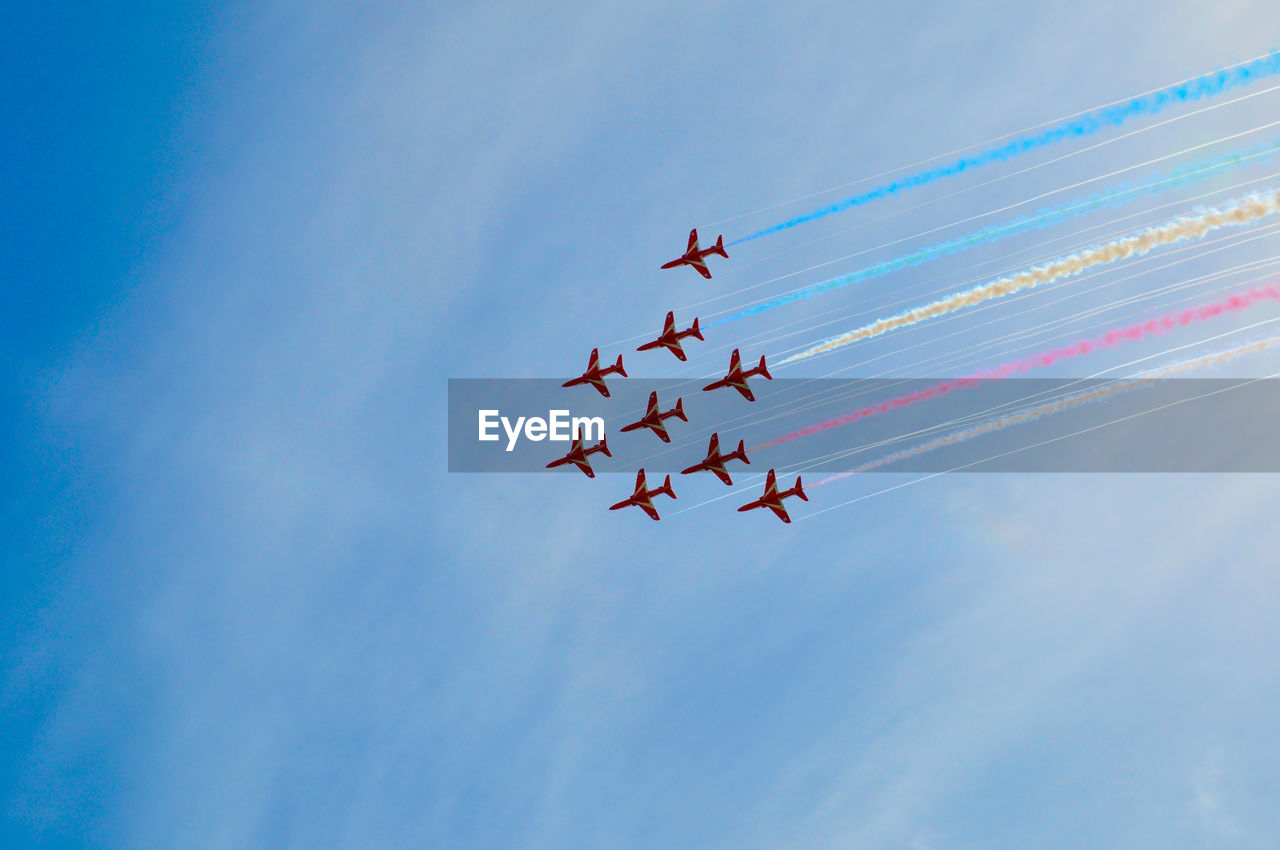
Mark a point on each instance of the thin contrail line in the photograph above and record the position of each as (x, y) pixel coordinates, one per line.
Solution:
(1087, 397)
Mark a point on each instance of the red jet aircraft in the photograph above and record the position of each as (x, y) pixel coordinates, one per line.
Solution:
(693, 255)
(670, 337)
(653, 417)
(578, 456)
(715, 461)
(595, 375)
(643, 498)
(738, 378)
(772, 498)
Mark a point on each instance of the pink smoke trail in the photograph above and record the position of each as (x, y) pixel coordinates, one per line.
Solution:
(1114, 337)
(1086, 397)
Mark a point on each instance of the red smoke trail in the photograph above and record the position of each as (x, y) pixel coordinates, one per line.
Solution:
(1151, 327)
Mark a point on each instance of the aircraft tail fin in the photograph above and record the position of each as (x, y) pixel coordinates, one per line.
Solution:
(764, 370)
(618, 366)
(800, 489)
(694, 328)
(666, 488)
(742, 452)
(719, 249)
(679, 409)
(604, 446)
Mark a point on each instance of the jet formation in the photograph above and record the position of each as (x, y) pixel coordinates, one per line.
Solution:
(654, 418)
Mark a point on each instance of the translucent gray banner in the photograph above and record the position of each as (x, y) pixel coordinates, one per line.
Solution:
(1168, 425)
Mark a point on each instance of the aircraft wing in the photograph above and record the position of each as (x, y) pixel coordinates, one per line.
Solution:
(661, 431)
(778, 509)
(598, 383)
(585, 466)
(745, 390)
(693, 241)
(722, 474)
(677, 350)
(647, 507)
(698, 264)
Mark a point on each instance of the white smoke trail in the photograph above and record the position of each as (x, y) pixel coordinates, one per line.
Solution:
(1237, 213)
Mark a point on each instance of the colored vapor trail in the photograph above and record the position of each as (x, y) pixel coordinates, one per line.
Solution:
(1114, 337)
(1044, 218)
(1206, 86)
(1237, 213)
(1086, 397)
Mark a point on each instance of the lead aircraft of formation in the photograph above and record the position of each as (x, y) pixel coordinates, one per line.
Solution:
(694, 256)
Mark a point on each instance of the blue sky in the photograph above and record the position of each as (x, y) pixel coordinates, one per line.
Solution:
(246, 606)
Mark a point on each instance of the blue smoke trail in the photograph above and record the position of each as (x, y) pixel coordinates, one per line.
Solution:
(1044, 218)
(1209, 85)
